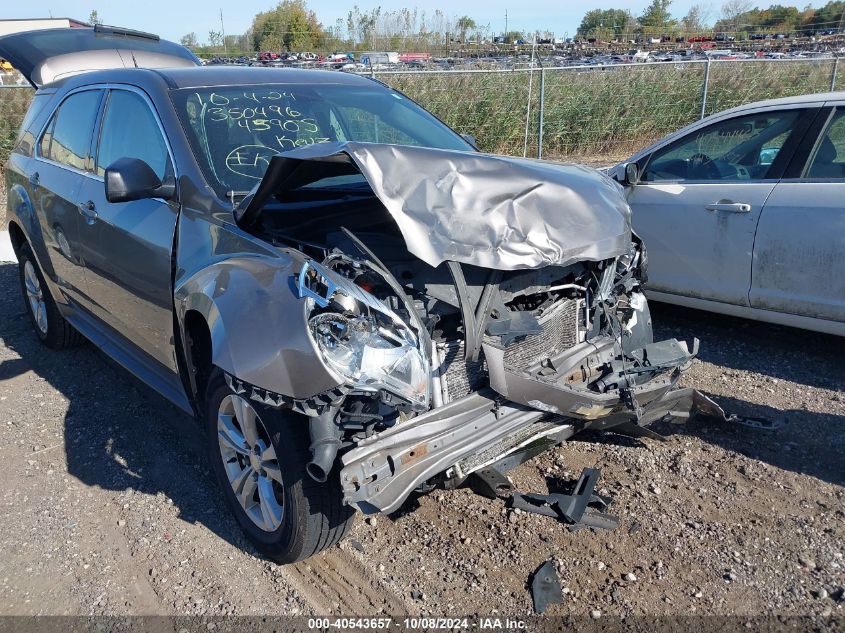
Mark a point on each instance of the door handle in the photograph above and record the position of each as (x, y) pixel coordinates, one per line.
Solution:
(89, 211)
(729, 207)
(35, 180)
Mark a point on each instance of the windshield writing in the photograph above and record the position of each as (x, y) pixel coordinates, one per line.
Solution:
(236, 131)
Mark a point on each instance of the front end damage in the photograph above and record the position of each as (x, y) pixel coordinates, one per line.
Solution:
(450, 355)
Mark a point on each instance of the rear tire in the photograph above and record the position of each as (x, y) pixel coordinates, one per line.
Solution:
(50, 326)
(287, 520)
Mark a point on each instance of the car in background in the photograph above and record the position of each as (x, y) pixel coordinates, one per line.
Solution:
(743, 212)
(353, 301)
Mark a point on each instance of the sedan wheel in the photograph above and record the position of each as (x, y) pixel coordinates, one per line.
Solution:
(250, 461)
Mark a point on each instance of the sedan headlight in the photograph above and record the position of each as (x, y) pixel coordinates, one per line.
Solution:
(371, 347)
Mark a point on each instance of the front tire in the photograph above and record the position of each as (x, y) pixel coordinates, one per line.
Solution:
(50, 326)
(258, 455)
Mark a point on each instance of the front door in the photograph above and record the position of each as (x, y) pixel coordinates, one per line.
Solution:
(699, 200)
(129, 244)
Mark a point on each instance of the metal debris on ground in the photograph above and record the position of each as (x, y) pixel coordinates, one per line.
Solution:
(761, 424)
(545, 587)
(583, 509)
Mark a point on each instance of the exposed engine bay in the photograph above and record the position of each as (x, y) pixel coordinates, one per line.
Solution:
(363, 285)
(443, 369)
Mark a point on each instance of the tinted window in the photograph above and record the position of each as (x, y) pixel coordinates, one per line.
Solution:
(829, 158)
(236, 130)
(71, 131)
(743, 148)
(26, 136)
(131, 130)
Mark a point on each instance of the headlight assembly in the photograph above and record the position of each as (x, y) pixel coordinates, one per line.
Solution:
(372, 348)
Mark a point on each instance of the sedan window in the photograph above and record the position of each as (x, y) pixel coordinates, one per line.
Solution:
(742, 148)
(68, 136)
(142, 139)
(829, 157)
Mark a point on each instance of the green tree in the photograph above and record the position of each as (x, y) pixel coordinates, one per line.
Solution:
(830, 16)
(656, 19)
(94, 18)
(290, 24)
(605, 24)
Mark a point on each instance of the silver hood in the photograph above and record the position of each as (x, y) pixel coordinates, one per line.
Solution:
(490, 211)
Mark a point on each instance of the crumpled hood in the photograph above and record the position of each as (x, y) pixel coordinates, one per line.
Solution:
(480, 209)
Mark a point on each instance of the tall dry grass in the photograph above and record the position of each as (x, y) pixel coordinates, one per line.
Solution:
(610, 111)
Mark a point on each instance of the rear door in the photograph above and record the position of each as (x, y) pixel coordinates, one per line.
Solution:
(45, 56)
(62, 163)
(129, 244)
(699, 200)
(799, 253)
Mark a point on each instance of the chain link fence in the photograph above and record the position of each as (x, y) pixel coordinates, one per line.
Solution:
(605, 113)
(579, 113)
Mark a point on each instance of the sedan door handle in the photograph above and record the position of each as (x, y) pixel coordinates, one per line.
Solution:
(88, 211)
(729, 207)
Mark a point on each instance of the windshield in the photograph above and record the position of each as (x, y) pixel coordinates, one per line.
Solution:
(236, 130)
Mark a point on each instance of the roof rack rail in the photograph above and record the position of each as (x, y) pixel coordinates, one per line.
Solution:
(117, 30)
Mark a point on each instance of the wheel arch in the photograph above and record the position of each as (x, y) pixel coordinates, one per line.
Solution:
(17, 237)
(255, 327)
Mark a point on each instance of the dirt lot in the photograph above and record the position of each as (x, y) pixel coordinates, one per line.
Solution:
(108, 506)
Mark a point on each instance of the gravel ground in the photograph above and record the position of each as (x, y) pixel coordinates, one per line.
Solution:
(108, 505)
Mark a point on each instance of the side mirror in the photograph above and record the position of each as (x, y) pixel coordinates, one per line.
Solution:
(470, 138)
(632, 174)
(130, 179)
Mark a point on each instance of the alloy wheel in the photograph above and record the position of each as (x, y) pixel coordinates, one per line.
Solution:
(249, 458)
(35, 296)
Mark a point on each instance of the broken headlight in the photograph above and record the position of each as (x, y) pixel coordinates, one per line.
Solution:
(371, 357)
(364, 341)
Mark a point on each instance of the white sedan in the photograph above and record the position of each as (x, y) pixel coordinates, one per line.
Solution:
(743, 212)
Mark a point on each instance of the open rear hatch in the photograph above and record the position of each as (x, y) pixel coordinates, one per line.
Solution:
(51, 54)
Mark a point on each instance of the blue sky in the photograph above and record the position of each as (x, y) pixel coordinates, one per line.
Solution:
(172, 19)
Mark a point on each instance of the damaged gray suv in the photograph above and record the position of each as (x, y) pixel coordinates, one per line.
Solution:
(355, 301)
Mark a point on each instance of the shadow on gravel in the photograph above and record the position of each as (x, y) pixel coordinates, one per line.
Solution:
(806, 442)
(119, 434)
(781, 352)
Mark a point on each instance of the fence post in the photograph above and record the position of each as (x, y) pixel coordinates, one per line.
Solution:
(542, 110)
(704, 89)
(833, 75)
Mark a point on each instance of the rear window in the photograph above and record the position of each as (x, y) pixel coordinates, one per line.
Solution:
(71, 129)
(25, 142)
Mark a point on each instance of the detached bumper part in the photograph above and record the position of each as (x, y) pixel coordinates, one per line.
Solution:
(545, 587)
(572, 509)
(552, 387)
